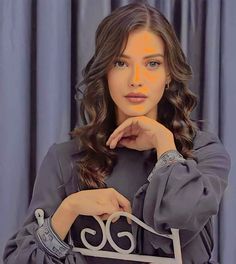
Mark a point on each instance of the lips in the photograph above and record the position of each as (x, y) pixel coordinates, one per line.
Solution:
(136, 95)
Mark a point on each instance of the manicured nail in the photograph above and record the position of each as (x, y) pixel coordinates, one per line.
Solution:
(115, 219)
(129, 220)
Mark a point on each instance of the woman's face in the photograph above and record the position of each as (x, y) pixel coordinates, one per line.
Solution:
(140, 69)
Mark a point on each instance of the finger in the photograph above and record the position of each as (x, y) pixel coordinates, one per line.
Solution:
(132, 130)
(120, 145)
(115, 219)
(123, 202)
(110, 209)
(121, 139)
(129, 142)
(115, 140)
(129, 221)
(115, 203)
(135, 128)
(126, 206)
(104, 216)
(125, 124)
(125, 134)
(112, 137)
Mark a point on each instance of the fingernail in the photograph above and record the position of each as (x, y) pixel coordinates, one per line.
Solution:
(115, 219)
(129, 221)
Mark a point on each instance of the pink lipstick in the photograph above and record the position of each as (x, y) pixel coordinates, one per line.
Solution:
(136, 97)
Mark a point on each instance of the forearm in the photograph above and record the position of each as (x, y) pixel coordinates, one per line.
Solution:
(63, 219)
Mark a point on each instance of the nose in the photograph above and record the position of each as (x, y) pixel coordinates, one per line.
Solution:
(135, 79)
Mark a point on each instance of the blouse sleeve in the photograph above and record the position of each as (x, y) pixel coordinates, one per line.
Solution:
(34, 243)
(186, 193)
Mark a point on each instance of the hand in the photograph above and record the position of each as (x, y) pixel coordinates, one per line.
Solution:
(100, 202)
(140, 133)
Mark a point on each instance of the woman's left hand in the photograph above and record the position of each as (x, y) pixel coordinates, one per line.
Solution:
(141, 133)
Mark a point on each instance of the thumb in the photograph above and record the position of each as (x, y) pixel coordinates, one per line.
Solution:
(127, 142)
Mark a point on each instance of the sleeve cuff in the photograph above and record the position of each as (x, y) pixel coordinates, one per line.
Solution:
(51, 241)
(167, 158)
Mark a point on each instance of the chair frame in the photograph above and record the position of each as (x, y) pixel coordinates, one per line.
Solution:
(123, 254)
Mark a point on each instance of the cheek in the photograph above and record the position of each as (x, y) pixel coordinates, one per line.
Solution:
(156, 77)
(114, 88)
(115, 84)
(112, 79)
(156, 82)
(157, 90)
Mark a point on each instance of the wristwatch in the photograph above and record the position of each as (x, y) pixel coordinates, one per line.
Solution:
(167, 158)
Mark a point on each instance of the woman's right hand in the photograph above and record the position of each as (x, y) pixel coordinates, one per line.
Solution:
(99, 202)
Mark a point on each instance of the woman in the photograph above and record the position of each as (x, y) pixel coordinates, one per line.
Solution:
(138, 152)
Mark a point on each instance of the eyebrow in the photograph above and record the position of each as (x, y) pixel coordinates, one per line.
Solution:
(146, 57)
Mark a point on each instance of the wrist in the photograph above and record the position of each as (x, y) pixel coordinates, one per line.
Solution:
(69, 209)
(62, 219)
(161, 151)
(164, 143)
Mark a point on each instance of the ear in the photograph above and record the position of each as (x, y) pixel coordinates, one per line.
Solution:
(168, 78)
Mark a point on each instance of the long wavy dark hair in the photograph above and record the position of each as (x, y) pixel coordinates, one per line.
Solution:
(97, 108)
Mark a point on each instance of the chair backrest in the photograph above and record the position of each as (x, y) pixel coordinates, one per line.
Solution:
(125, 254)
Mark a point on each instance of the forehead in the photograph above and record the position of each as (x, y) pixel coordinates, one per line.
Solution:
(143, 42)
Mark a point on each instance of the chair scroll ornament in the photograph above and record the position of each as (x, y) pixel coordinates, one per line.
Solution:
(124, 254)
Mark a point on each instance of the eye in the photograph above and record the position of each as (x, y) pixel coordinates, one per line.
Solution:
(120, 63)
(154, 64)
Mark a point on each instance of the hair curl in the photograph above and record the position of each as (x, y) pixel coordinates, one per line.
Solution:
(174, 108)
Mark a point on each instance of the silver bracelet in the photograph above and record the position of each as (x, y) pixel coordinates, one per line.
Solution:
(167, 158)
(50, 240)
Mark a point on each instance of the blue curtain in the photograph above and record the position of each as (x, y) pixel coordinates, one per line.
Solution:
(45, 44)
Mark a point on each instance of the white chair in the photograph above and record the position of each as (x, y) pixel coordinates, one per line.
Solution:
(96, 251)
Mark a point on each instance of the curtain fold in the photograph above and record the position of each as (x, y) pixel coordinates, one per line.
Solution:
(53, 73)
(15, 21)
(45, 44)
(227, 215)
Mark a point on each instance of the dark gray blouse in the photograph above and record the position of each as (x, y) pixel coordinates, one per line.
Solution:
(183, 194)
